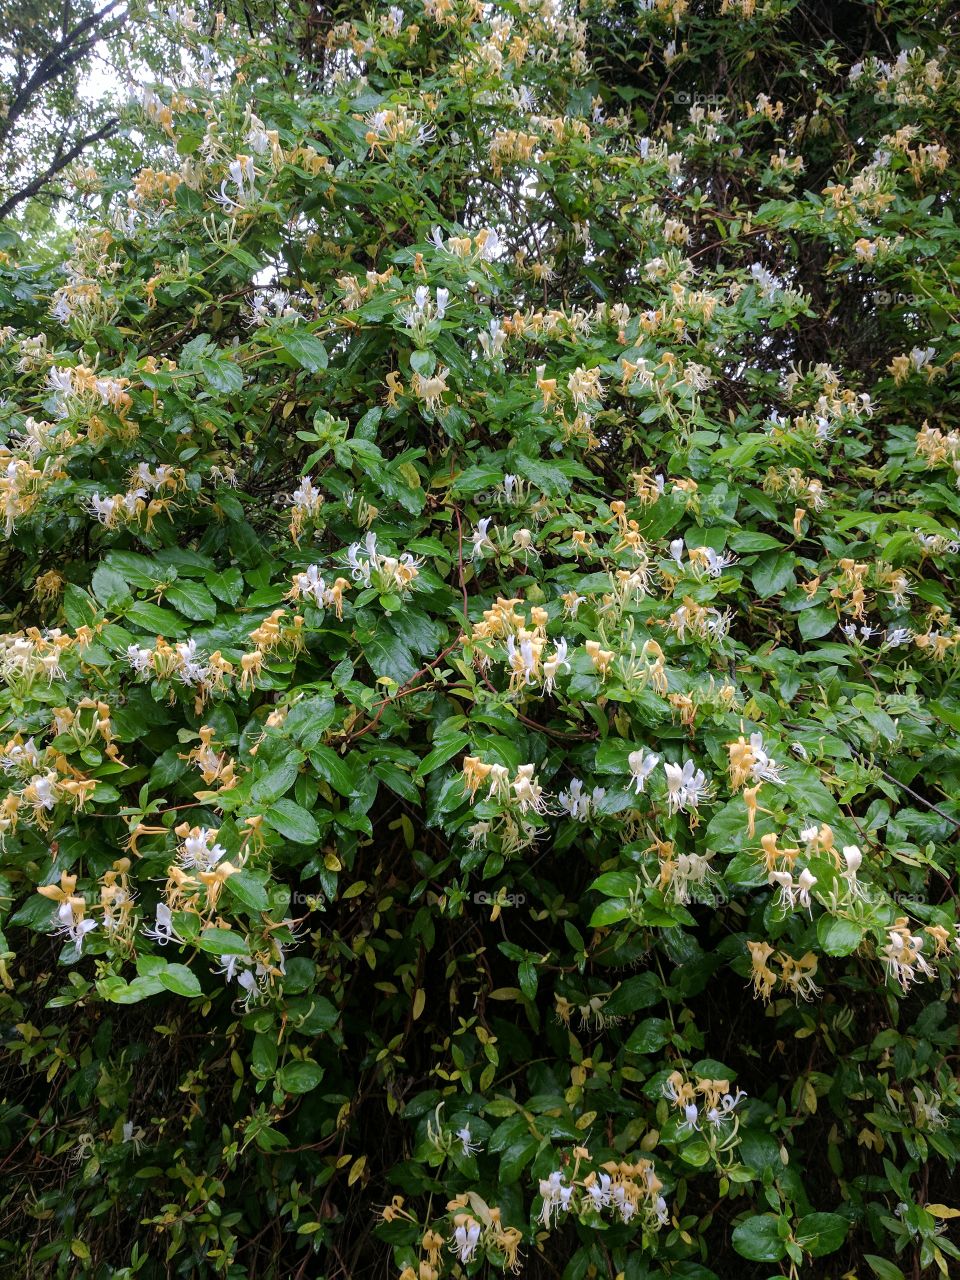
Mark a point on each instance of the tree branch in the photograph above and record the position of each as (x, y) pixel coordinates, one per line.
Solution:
(60, 58)
(56, 165)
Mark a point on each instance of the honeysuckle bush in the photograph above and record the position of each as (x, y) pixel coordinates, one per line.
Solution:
(480, 712)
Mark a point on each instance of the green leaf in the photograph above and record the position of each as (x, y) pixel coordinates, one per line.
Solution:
(648, 1036)
(311, 1015)
(305, 347)
(133, 992)
(816, 622)
(638, 992)
(78, 608)
(759, 1238)
(221, 373)
(616, 884)
(423, 362)
(821, 1233)
(110, 587)
(333, 769)
(249, 890)
(226, 586)
(180, 980)
(882, 1268)
(192, 600)
(150, 617)
(516, 1157)
(223, 942)
(838, 937)
(746, 541)
(773, 573)
(299, 1077)
(610, 912)
(441, 754)
(275, 782)
(293, 821)
(389, 656)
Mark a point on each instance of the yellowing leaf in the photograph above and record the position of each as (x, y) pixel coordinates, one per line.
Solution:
(942, 1211)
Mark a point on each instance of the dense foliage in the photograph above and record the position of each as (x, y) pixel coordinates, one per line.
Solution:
(481, 724)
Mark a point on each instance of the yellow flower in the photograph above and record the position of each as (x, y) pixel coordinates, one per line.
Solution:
(601, 658)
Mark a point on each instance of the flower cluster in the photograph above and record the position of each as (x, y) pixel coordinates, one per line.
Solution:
(630, 1190)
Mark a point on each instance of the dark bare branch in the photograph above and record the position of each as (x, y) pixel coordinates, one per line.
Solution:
(57, 165)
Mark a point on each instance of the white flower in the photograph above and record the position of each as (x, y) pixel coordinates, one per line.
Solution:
(577, 804)
(523, 541)
(466, 1237)
(493, 342)
(163, 930)
(805, 882)
(139, 658)
(524, 661)
(466, 1144)
(764, 768)
(552, 665)
(691, 1119)
(717, 563)
(72, 922)
(481, 540)
(765, 282)
(189, 669)
(310, 584)
(641, 766)
(103, 508)
(306, 496)
(491, 245)
(20, 756)
(43, 788)
(599, 1192)
(794, 891)
(556, 1197)
(729, 1101)
(527, 791)
(61, 381)
(687, 786)
(853, 858)
(198, 852)
(919, 357)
